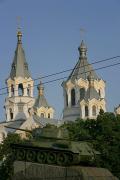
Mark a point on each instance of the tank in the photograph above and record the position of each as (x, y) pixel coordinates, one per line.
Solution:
(51, 145)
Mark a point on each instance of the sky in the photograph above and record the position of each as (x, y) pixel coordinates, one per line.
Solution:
(51, 37)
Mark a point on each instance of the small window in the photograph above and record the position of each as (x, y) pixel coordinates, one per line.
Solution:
(94, 110)
(29, 90)
(20, 90)
(48, 115)
(99, 92)
(11, 114)
(66, 99)
(35, 113)
(73, 97)
(42, 115)
(86, 111)
(12, 90)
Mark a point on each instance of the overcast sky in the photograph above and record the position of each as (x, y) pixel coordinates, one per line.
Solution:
(51, 36)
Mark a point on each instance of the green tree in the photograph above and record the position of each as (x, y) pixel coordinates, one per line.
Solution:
(6, 168)
(107, 141)
(77, 130)
(104, 134)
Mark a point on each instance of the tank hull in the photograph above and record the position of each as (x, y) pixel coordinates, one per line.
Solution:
(51, 156)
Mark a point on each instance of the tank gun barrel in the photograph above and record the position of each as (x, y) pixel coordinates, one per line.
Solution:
(25, 130)
(18, 129)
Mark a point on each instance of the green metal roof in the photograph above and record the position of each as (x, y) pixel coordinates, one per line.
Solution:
(41, 102)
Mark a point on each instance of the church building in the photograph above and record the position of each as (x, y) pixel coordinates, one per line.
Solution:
(84, 95)
(22, 109)
(84, 90)
(20, 86)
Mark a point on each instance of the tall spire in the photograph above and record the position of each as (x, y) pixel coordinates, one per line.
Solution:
(20, 85)
(19, 65)
(41, 100)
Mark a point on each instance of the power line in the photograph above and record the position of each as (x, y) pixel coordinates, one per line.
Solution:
(81, 73)
(58, 79)
(96, 62)
(64, 71)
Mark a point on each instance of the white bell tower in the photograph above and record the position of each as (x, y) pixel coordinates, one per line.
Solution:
(20, 86)
(83, 91)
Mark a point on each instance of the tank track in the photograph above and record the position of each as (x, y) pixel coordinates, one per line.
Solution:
(44, 156)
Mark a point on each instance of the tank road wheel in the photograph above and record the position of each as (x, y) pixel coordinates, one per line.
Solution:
(70, 159)
(61, 159)
(14, 154)
(21, 154)
(51, 158)
(41, 157)
(30, 156)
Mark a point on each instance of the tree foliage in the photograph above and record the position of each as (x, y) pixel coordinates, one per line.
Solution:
(6, 168)
(104, 134)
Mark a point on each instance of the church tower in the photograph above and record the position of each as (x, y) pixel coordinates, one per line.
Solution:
(41, 106)
(20, 86)
(84, 91)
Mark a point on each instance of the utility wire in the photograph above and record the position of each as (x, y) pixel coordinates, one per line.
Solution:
(64, 71)
(96, 62)
(81, 73)
(58, 79)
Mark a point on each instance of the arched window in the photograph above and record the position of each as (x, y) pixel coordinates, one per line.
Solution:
(99, 92)
(66, 99)
(29, 90)
(86, 111)
(73, 97)
(94, 110)
(20, 90)
(29, 111)
(11, 114)
(35, 113)
(82, 93)
(12, 90)
(42, 115)
(48, 115)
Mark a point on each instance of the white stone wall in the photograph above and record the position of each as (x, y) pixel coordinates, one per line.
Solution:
(73, 112)
(13, 100)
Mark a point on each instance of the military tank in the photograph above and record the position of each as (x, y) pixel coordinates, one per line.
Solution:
(51, 145)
